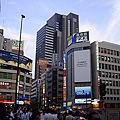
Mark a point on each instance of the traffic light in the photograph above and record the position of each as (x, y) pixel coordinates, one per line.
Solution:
(102, 89)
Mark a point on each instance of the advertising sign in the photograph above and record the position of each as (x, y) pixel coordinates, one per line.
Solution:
(82, 68)
(83, 92)
(82, 101)
(15, 45)
(71, 39)
(82, 36)
(64, 76)
(78, 37)
(10, 58)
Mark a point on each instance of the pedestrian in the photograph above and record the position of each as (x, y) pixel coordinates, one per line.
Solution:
(3, 114)
(93, 116)
(35, 115)
(60, 116)
(69, 116)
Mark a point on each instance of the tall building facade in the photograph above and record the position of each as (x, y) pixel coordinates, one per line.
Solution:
(45, 43)
(51, 38)
(54, 86)
(42, 66)
(106, 69)
(8, 70)
(78, 74)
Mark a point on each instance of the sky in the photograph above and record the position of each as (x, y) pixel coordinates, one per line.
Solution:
(100, 17)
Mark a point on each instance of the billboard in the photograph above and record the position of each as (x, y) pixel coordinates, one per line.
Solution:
(78, 37)
(15, 45)
(82, 94)
(82, 68)
(71, 39)
(82, 36)
(10, 58)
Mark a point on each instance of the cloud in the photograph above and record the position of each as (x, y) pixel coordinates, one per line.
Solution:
(114, 21)
(94, 33)
(110, 31)
(29, 42)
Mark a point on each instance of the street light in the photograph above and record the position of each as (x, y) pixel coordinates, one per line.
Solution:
(18, 70)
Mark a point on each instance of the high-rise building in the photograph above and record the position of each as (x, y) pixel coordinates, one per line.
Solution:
(78, 75)
(42, 66)
(106, 69)
(51, 38)
(44, 43)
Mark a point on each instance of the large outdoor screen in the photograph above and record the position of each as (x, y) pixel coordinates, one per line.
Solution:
(82, 67)
(82, 94)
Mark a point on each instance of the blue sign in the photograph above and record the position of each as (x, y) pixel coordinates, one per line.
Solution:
(26, 97)
(20, 97)
(83, 92)
(64, 58)
(78, 37)
(64, 104)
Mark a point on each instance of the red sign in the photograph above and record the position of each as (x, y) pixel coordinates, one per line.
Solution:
(7, 101)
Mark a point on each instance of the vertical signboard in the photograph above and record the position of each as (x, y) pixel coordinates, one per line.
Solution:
(64, 77)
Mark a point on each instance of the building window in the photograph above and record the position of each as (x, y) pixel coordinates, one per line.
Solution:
(107, 91)
(114, 52)
(110, 91)
(105, 50)
(108, 59)
(102, 66)
(111, 59)
(112, 67)
(103, 74)
(106, 74)
(106, 66)
(105, 58)
(111, 52)
(21, 78)
(116, 67)
(109, 74)
(110, 83)
(117, 91)
(99, 57)
(101, 50)
(27, 89)
(109, 67)
(115, 60)
(114, 91)
(102, 57)
(108, 51)
(27, 80)
(4, 75)
(117, 83)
